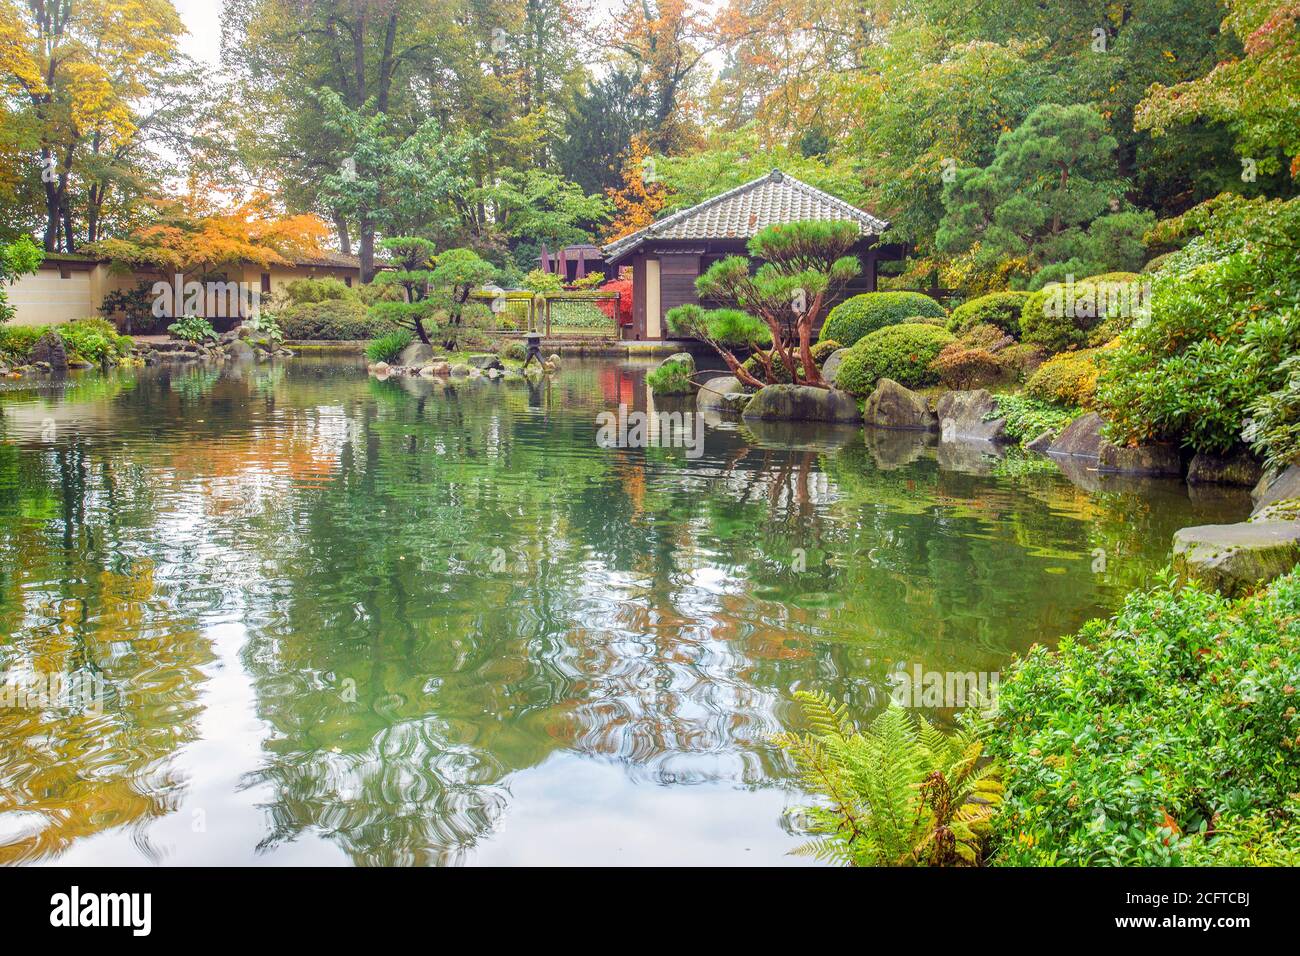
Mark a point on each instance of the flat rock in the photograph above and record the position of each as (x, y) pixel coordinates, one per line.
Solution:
(1239, 468)
(1235, 558)
(962, 417)
(241, 351)
(1155, 460)
(711, 393)
(831, 367)
(895, 406)
(1081, 438)
(803, 403)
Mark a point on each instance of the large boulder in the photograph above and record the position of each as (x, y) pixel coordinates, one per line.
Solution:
(241, 351)
(831, 367)
(1081, 438)
(1234, 558)
(710, 396)
(1277, 486)
(1042, 443)
(416, 354)
(486, 362)
(49, 350)
(894, 406)
(962, 417)
(803, 403)
(1157, 461)
(1238, 468)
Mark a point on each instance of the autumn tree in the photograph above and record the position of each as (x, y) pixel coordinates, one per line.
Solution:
(83, 70)
(642, 195)
(189, 235)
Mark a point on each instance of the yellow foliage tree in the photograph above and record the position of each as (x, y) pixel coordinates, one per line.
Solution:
(642, 197)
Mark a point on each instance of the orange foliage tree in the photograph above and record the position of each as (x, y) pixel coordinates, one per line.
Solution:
(188, 235)
(642, 196)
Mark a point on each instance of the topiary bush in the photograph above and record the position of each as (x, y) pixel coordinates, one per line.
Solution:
(861, 315)
(1000, 309)
(339, 320)
(311, 291)
(1022, 359)
(1069, 379)
(904, 353)
(1164, 736)
(388, 347)
(1061, 316)
(960, 367)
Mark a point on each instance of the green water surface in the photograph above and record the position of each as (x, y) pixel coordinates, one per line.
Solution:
(344, 621)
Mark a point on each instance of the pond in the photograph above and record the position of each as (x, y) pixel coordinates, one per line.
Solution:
(333, 620)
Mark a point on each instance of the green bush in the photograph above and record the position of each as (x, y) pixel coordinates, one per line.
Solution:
(901, 352)
(671, 378)
(1167, 735)
(1027, 417)
(1000, 309)
(824, 350)
(17, 341)
(312, 291)
(1088, 312)
(339, 320)
(95, 340)
(1022, 359)
(388, 347)
(1217, 346)
(780, 374)
(1275, 432)
(1068, 379)
(863, 314)
(192, 328)
(514, 351)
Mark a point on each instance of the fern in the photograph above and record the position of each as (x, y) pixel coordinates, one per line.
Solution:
(902, 793)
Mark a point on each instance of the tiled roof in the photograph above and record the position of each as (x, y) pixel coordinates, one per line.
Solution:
(771, 200)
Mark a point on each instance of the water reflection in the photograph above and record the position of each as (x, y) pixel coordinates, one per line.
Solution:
(405, 622)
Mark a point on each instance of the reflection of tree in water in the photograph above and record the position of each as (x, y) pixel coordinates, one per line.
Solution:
(74, 602)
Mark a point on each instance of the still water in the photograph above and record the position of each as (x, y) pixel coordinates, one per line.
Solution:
(343, 621)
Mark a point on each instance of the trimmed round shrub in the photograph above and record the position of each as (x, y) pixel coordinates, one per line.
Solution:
(310, 291)
(779, 371)
(1022, 359)
(1001, 309)
(341, 320)
(861, 315)
(1068, 379)
(1061, 316)
(960, 367)
(904, 353)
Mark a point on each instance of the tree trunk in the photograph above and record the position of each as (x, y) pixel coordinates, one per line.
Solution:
(345, 239)
(367, 252)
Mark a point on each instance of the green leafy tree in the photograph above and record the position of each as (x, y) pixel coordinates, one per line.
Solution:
(457, 273)
(412, 272)
(18, 258)
(1051, 196)
(804, 264)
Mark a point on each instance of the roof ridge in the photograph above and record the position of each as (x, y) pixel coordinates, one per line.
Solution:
(776, 175)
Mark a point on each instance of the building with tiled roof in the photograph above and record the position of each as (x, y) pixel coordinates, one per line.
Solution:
(667, 256)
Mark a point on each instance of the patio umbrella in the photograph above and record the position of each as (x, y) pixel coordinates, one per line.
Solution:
(582, 262)
(562, 266)
(546, 259)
